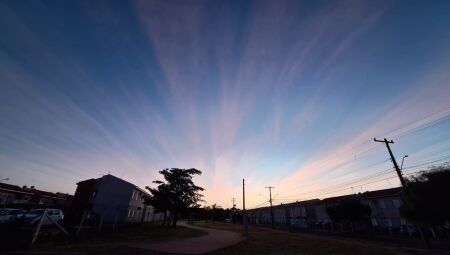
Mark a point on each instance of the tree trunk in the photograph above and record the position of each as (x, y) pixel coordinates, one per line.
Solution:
(424, 236)
(175, 219)
(164, 219)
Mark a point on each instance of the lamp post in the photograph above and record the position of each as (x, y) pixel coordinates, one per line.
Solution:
(403, 159)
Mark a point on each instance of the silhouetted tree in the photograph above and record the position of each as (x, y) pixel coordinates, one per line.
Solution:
(176, 193)
(349, 211)
(158, 200)
(425, 197)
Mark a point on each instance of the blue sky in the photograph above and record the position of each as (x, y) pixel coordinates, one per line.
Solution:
(282, 93)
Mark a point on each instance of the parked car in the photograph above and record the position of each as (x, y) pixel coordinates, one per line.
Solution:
(10, 214)
(35, 215)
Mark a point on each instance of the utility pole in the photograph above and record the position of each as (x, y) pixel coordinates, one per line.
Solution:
(271, 207)
(245, 220)
(233, 209)
(402, 181)
(397, 169)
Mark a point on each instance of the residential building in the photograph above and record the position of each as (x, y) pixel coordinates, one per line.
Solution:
(28, 198)
(312, 214)
(113, 199)
(385, 205)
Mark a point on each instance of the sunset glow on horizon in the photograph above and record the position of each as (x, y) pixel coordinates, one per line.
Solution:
(282, 93)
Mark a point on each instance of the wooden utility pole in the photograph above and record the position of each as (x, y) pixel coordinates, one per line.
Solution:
(271, 207)
(402, 181)
(244, 212)
(233, 209)
(397, 169)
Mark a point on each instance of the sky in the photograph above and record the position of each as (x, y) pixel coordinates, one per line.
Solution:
(287, 94)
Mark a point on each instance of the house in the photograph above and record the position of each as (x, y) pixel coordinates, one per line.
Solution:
(113, 199)
(28, 198)
(302, 214)
(10, 194)
(312, 214)
(385, 206)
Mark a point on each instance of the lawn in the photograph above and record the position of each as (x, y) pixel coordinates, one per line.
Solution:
(259, 241)
(266, 241)
(111, 240)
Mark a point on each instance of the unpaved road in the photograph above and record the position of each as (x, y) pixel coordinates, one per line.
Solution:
(216, 239)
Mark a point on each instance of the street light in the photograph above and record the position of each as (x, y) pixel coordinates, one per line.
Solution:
(403, 159)
(4, 179)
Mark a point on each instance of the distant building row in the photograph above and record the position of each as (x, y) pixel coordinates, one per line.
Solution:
(312, 214)
(30, 197)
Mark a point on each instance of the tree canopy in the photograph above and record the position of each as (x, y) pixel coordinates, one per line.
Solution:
(425, 197)
(349, 211)
(176, 193)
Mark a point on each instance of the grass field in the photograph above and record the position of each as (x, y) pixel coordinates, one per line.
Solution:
(110, 240)
(266, 241)
(259, 241)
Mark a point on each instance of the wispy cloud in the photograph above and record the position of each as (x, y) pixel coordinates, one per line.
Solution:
(279, 93)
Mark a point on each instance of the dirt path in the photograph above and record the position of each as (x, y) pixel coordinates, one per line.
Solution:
(215, 239)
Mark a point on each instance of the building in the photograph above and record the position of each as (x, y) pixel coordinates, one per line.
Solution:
(10, 194)
(113, 200)
(28, 198)
(302, 214)
(312, 214)
(385, 206)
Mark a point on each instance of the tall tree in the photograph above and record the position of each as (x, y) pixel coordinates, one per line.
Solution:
(158, 200)
(423, 196)
(177, 192)
(349, 211)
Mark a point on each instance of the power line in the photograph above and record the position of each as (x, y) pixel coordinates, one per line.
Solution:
(359, 179)
(397, 169)
(428, 163)
(342, 175)
(366, 183)
(377, 174)
(413, 122)
(400, 134)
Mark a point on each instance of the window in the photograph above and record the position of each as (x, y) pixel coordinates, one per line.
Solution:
(381, 204)
(132, 195)
(129, 213)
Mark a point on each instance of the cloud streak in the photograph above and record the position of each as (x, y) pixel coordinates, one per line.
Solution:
(278, 93)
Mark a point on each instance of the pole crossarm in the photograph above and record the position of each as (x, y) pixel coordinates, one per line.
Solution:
(271, 207)
(397, 169)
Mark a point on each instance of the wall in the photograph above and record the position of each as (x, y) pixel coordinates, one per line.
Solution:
(112, 199)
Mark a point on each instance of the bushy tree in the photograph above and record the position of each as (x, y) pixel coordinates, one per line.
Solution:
(425, 197)
(159, 201)
(349, 211)
(176, 193)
